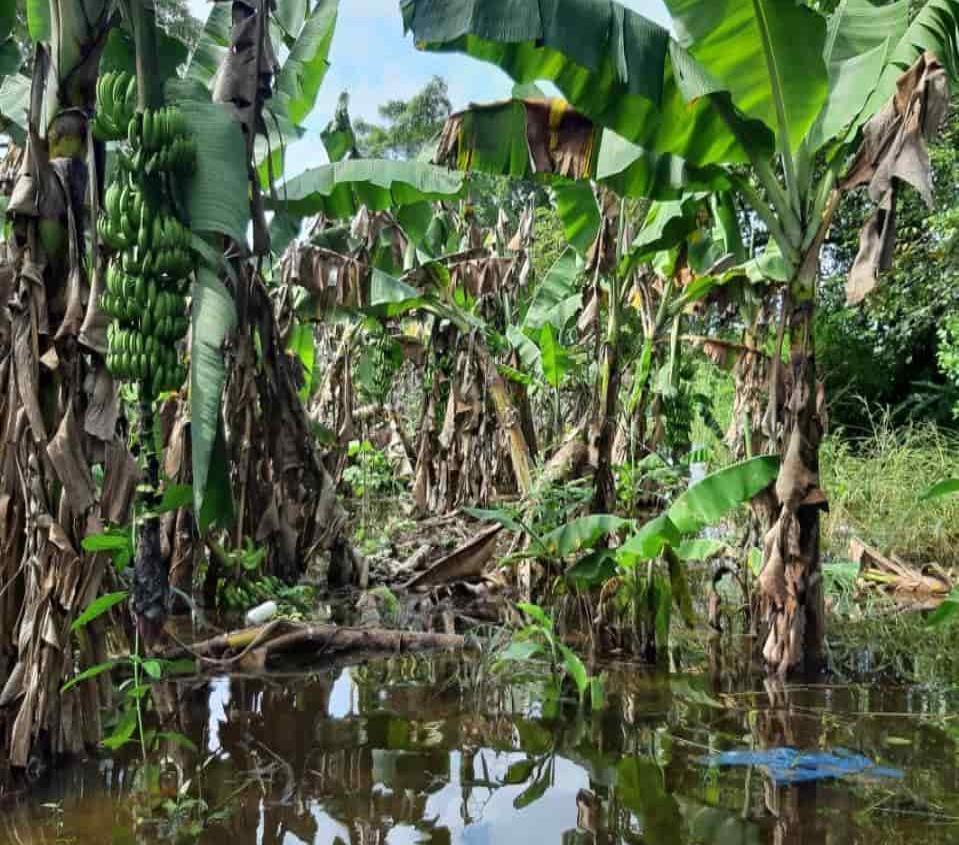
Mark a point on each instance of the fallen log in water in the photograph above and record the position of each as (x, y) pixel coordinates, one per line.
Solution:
(251, 648)
(929, 584)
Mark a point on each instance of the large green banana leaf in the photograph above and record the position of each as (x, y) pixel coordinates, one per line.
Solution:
(119, 54)
(214, 316)
(338, 136)
(709, 238)
(298, 82)
(512, 137)
(578, 212)
(860, 38)
(666, 225)
(306, 34)
(936, 29)
(215, 205)
(858, 26)
(14, 99)
(214, 41)
(631, 171)
(770, 66)
(710, 499)
(9, 51)
(703, 504)
(867, 48)
(850, 83)
(340, 189)
(38, 15)
(521, 139)
(766, 53)
(612, 64)
(557, 297)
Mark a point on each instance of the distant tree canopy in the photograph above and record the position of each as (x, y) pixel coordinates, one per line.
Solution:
(175, 17)
(407, 125)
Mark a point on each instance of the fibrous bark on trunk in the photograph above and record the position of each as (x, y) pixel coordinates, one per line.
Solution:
(790, 583)
(893, 149)
(285, 497)
(58, 409)
(602, 434)
(471, 445)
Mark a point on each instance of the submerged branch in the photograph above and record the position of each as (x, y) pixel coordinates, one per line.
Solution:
(253, 647)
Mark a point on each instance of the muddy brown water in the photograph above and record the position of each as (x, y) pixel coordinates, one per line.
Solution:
(435, 750)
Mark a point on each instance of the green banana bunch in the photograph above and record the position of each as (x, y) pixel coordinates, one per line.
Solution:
(160, 139)
(123, 210)
(134, 355)
(147, 277)
(377, 365)
(173, 265)
(116, 105)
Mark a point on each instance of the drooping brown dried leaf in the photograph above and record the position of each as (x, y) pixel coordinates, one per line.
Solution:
(559, 139)
(894, 150)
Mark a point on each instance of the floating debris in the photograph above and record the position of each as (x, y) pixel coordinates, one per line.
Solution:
(788, 766)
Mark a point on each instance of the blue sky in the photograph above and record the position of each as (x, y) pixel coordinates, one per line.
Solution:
(373, 61)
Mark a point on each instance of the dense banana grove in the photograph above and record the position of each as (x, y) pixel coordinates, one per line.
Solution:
(148, 274)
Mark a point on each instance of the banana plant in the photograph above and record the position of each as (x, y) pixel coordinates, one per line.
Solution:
(55, 424)
(651, 562)
(289, 44)
(403, 251)
(647, 561)
(791, 94)
(673, 262)
(440, 288)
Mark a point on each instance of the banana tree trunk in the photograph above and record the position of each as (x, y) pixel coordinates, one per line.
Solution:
(604, 420)
(524, 408)
(754, 394)
(790, 583)
(59, 406)
(460, 460)
(604, 428)
(509, 420)
(607, 249)
(286, 498)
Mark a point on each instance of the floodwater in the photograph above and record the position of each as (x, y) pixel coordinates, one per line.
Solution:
(417, 750)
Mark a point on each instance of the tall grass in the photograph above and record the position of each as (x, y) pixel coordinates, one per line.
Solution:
(874, 486)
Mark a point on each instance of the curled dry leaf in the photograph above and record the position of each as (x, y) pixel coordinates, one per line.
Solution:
(894, 150)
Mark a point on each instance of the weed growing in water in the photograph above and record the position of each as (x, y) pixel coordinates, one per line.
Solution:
(538, 639)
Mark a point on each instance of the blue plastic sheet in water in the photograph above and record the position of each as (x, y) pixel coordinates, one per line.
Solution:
(787, 765)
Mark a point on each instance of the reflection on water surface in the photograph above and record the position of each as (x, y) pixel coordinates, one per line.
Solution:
(419, 750)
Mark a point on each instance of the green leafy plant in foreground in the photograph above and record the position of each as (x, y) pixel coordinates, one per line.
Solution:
(650, 563)
(136, 689)
(537, 640)
(946, 487)
(119, 541)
